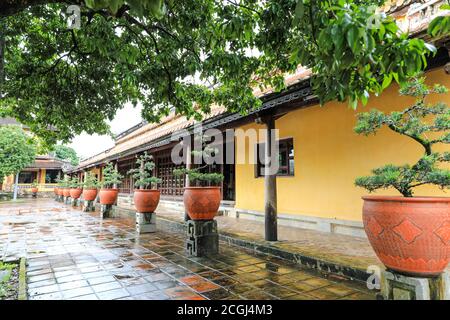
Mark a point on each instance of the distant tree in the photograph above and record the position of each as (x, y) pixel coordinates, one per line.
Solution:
(17, 150)
(67, 153)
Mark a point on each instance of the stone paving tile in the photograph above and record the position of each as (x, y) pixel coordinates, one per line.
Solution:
(78, 256)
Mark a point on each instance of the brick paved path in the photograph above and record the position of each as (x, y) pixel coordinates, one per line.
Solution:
(76, 255)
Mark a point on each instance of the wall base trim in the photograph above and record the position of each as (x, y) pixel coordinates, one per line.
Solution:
(346, 227)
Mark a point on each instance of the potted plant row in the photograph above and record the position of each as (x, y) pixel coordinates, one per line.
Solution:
(146, 196)
(410, 234)
(111, 178)
(202, 198)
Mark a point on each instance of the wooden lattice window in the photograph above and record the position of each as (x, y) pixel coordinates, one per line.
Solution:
(170, 184)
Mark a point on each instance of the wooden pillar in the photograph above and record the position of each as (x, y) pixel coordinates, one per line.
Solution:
(116, 167)
(270, 184)
(187, 182)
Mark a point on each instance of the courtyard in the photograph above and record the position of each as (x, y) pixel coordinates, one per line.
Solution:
(76, 255)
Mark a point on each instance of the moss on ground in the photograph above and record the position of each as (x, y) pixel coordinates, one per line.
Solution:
(8, 280)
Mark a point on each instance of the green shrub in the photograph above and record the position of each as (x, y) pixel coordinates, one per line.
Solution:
(428, 125)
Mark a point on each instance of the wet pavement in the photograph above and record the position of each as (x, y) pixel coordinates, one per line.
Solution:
(76, 255)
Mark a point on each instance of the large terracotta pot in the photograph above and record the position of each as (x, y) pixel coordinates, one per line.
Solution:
(75, 193)
(89, 194)
(66, 192)
(34, 190)
(201, 203)
(409, 235)
(59, 191)
(108, 196)
(146, 201)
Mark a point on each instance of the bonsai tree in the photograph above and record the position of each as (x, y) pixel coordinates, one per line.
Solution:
(34, 184)
(428, 125)
(143, 175)
(196, 176)
(66, 182)
(111, 177)
(75, 183)
(90, 181)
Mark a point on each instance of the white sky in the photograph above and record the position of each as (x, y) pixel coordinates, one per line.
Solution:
(88, 145)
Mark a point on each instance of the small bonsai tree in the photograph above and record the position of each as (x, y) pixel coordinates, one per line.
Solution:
(75, 183)
(65, 182)
(34, 184)
(90, 181)
(143, 175)
(196, 176)
(428, 125)
(111, 177)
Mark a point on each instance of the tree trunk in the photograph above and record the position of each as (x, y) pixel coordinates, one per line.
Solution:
(16, 186)
(2, 56)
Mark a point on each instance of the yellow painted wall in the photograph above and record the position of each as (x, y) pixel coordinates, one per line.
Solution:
(96, 171)
(329, 156)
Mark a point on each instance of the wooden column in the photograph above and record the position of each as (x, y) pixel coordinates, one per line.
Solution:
(116, 167)
(270, 184)
(188, 167)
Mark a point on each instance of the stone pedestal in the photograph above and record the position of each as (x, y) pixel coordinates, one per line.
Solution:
(202, 238)
(67, 200)
(145, 222)
(75, 202)
(34, 195)
(60, 198)
(395, 286)
(88, 206)
(106, 211)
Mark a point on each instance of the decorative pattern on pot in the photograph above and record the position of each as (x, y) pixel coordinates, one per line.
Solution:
(201, 203)
(89, 194)
(409, 235)
(75, 193)
(108, 196)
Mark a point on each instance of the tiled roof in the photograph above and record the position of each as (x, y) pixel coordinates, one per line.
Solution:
(46, 164)
(173, 123)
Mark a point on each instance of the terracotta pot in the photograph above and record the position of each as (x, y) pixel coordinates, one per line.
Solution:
(59, 191)
(89, 194)
(66, 192)
(409, 235)
(201, 203)
(55, 190)
(75, 193)
(108, 196)
(146, 201)
(34, 190)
